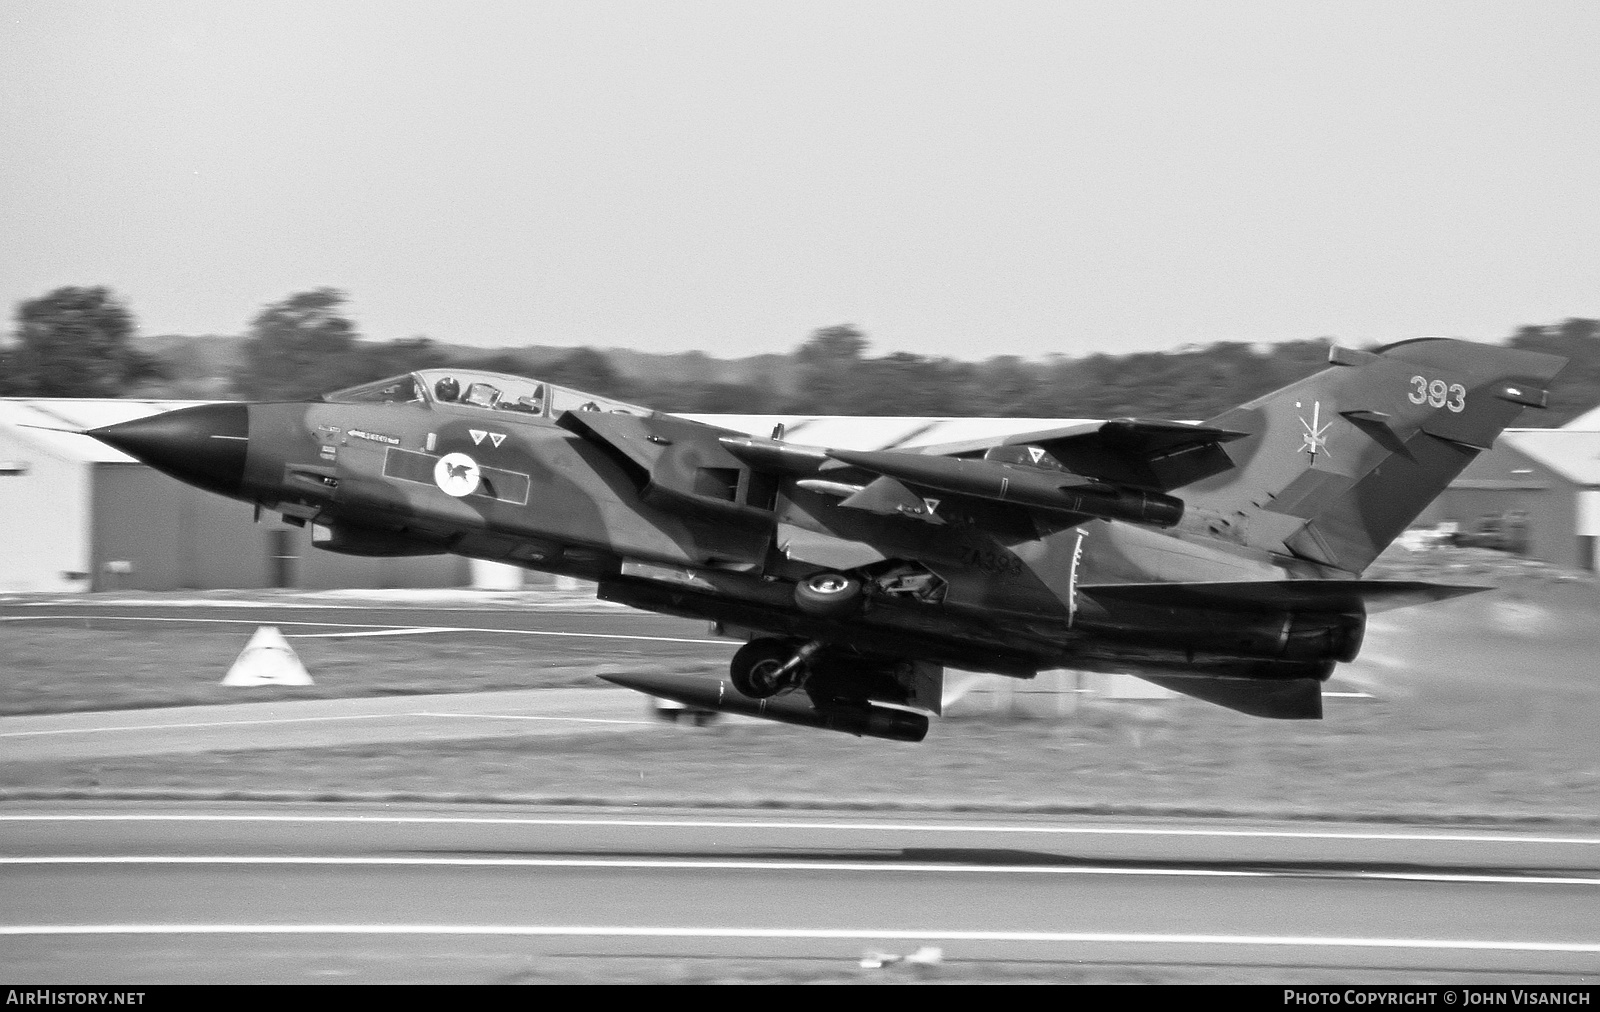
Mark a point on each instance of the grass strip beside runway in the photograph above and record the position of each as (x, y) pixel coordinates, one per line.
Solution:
(1472, 757)
(60, 667)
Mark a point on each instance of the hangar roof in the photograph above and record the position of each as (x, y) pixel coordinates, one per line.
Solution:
(1573, 454)
(32, 419)
(1588, 421)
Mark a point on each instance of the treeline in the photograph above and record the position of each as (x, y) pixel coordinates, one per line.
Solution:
(1577, 389)
(79, 342)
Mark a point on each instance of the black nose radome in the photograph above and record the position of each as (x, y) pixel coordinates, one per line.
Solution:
(203, 445)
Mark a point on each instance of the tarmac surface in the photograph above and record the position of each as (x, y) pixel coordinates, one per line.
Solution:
(161, 893)
(170, 892)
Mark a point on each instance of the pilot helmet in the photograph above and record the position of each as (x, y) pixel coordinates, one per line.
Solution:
(447, 389)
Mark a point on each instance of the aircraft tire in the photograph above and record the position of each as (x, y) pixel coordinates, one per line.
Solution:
(827, 594)
(754, 669)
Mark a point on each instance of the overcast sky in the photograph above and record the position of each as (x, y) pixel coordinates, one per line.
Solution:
(963, 179)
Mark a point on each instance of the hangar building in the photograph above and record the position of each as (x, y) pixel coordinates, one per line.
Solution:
(77, 515)
(1536, 493)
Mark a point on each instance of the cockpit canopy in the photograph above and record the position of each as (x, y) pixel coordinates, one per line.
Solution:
(475, 388)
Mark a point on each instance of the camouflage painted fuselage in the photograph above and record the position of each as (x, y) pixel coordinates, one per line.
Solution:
(1200, 557)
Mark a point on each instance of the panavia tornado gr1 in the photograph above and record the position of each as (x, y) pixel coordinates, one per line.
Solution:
(1222, 559)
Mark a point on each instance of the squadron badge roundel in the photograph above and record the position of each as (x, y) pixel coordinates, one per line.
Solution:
(456, 474)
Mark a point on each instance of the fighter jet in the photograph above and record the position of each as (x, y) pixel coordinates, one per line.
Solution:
(1220, 559)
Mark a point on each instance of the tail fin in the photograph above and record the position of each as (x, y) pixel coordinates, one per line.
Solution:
(1337, 465)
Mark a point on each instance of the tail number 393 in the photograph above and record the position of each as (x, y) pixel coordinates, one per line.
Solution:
(1437, 393)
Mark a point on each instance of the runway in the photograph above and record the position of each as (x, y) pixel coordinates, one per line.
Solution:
(152, 894)
(164, 892)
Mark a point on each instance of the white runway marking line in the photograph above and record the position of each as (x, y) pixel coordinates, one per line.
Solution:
(208, 723)
(405, 631)
(915, 934)
(305, 720)
(518, 716)
(890, 827)
(687, 864)
(569, 606)
(364, 625)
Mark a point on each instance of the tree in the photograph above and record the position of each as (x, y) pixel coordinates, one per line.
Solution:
(902, 383)
(1005, 385)
(829, 362)
(74, 342)
(588, 370)
(375, 360)
(298, 348)
(1576, 388)
(585, 369)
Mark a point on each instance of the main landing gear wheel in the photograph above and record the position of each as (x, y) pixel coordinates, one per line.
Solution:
(827, 594)
(757, 669)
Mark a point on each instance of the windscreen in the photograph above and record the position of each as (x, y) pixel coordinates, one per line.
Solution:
(394, 390)
(493, 391)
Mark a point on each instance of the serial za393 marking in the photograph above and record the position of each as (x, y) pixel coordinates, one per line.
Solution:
(1221, 559)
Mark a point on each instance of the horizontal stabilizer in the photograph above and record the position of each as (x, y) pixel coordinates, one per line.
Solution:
(1281, 699)
(1284, 595)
